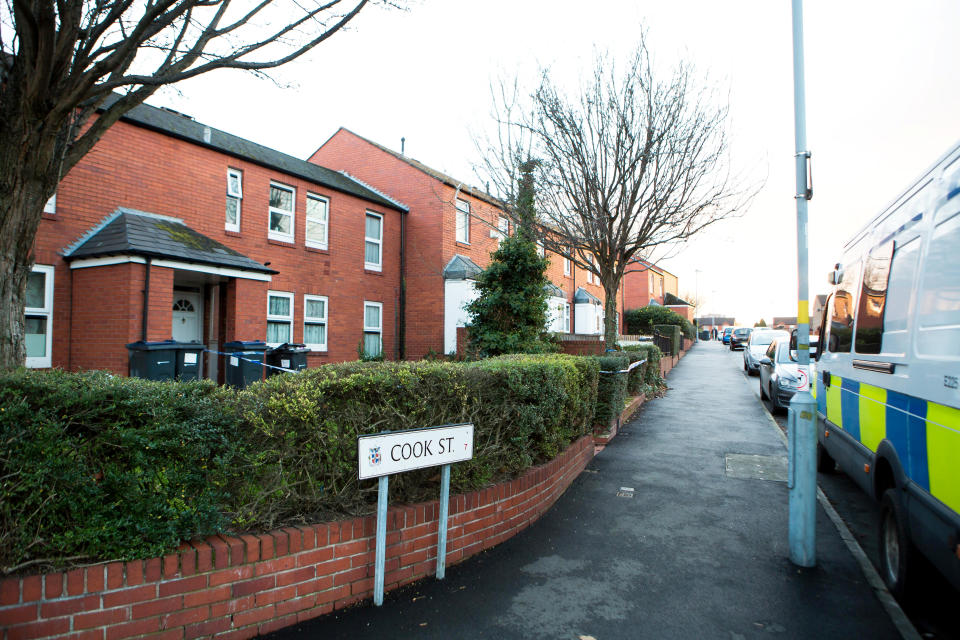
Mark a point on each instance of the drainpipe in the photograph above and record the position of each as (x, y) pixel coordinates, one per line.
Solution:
(146, 300)
(402, 328)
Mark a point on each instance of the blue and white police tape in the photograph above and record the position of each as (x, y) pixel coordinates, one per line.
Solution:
(239, 356)
(628, 369)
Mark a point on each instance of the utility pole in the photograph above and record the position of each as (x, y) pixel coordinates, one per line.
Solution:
(696, 313)
(802, 420)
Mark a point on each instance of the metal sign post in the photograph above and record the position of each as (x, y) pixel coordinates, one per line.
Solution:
(383, 454)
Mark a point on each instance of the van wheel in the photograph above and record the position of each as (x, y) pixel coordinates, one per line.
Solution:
(897, 555)
(825, 462)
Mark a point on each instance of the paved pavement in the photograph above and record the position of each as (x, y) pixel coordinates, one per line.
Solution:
(699, 551)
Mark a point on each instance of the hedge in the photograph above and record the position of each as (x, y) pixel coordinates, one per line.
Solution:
(644, 319)
(612, 387)
(97, 467)
(672, 331)
(646, 376)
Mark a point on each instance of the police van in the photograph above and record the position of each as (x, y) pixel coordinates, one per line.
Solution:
(888, 369)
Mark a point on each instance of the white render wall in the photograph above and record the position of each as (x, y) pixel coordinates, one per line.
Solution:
(456, 295)
(588, 318)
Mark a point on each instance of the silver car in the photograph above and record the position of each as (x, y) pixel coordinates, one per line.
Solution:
(779, 378)
(759, 341)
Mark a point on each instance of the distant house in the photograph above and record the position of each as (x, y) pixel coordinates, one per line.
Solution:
(646, 283)
(787, 323)
(711, 322)
(678, 305)
(452, 230)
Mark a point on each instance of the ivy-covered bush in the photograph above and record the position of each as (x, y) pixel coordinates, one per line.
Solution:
(611, 388)
(99, 467)
(95, 467)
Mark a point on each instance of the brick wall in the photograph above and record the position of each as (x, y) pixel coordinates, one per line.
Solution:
(239, 587)
(142, 169)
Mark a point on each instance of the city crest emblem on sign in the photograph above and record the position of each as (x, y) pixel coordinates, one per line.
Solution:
(375, 455)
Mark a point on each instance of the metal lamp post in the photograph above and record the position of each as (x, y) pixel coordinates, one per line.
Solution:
(802, 420)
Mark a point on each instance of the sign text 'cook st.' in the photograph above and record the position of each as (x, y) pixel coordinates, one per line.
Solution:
(384, 454)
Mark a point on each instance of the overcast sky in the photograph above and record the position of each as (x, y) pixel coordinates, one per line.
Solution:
(882, 105)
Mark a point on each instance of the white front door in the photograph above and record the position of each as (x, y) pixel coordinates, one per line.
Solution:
(186, 316)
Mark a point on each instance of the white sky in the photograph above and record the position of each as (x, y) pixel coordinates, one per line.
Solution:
(883, 104)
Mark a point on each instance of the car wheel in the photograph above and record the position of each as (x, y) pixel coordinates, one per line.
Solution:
(745, 367)
(897, 555)
(774, 403)
(825, 462)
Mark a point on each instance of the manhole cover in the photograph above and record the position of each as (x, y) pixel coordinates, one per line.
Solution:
(625, 492)
(754, 467)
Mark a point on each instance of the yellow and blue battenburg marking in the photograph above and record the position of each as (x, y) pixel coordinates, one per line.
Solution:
(925, 435)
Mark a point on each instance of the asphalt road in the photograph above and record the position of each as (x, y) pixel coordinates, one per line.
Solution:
(933, 608)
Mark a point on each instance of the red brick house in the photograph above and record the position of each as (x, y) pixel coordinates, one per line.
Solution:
(646, 283)
(452, 229)
(169, 228)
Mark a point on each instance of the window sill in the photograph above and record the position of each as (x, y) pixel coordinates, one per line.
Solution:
(231, 233)
(282, 243)
(317, 352)
(462, 244)
(317, 250)
(48, 216)
(373, 272)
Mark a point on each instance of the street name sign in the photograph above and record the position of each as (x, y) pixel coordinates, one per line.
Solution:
(384, 454)
(381, 455)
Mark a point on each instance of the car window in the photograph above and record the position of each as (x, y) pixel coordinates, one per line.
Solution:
(786, 354)
(772, 351)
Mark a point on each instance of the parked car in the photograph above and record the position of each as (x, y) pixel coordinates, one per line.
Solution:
(726, 335)
(739, 337)
(778, 374)
(757, 345)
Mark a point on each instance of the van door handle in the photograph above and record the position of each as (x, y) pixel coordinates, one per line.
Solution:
(826, 378)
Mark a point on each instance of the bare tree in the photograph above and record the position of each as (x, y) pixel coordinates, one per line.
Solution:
(63, 61)
(630, 164)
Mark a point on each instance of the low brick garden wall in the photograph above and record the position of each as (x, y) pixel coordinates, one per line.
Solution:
(240, 587)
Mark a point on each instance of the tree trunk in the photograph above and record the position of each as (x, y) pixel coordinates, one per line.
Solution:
(610, 329)
(28, 177)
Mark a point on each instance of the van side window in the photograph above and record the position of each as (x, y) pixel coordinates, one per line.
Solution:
(844, 301)
(873, 296)
(900, 289)
(938, 305)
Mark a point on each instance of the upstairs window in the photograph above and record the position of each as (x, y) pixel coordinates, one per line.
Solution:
(315, 322)
(51, 205)
(234, 198)
(463, 221)
(503, 229)
(317, 221)
(279, 317)
(281, 212)
(373, 246)
(566, 266)
(38, 317)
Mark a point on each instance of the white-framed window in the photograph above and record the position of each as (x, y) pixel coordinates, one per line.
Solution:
(566, 317)
(372, 328)
(279, 317)
(590, 272)
(373, 242)
(463, 221)
(503, 229)
(282, 199)
(318, 221)
(566, 266)
(234, 199)
(38, 329)
(51, 205)
(652, 290)
(315, 322)
(540, 250)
